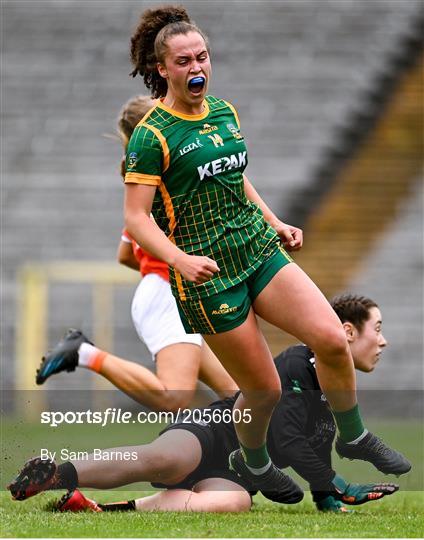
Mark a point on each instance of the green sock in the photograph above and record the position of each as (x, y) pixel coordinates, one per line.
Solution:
(255, 457)
(349, 424)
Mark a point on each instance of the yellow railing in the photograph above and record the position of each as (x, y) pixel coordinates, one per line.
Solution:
(34, 281)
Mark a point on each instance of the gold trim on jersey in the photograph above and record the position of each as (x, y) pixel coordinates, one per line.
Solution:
(164, 144)
(170, 214)
(192, 117)
(234, 112)
(148, 113)
(169, 209)
(206, 317)
(138, 178)
(179, 281)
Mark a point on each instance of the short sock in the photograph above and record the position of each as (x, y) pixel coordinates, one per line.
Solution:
(350, 424)
(67, 477)
(90, 357)
(123, 506)
(257, 459)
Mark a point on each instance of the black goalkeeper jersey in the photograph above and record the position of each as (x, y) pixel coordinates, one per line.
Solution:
(302, 428)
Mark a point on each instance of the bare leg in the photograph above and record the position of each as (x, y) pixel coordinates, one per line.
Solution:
(172, 387)
(168, 459)
(213, 374)
(209, 495)
(246, 356)
(303, 311)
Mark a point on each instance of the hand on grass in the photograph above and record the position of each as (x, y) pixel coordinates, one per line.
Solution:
(361, 493)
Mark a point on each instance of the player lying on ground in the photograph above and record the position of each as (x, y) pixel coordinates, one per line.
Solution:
(190, 458)
(180, 358)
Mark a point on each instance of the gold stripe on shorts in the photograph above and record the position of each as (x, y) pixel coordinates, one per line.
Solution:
(211, 327)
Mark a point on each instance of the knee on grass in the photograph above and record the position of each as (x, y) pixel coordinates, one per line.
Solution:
(231, 502)
(217, 496)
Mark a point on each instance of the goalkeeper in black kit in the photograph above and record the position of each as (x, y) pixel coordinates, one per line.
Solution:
(303, 435)
(190, 457)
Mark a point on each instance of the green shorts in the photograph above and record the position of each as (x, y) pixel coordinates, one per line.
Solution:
(228, 309)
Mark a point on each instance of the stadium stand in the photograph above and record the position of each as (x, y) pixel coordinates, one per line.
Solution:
(296, 71)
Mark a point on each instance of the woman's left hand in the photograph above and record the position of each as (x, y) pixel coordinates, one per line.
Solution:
(291, 237)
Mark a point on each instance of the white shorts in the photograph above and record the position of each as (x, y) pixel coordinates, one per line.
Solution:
(155, 315)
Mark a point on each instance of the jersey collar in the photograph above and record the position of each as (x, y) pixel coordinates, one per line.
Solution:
(192, 117)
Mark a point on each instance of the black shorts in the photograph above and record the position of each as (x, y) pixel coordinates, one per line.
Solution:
(216, 447)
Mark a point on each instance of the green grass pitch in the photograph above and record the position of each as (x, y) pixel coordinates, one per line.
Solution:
(400, 515)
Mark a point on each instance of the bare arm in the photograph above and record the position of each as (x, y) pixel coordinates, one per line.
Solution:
(125, 255)
(291, 237)
(137, 208)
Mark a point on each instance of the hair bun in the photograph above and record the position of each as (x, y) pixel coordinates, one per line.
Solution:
(177, 17)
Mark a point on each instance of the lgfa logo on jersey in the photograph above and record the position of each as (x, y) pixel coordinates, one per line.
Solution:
(235, 161)
(132, 160)
(207, 128)
(224, 309)
(190, 147)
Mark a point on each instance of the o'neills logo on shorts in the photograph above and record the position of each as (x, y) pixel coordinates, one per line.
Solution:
(224, 309)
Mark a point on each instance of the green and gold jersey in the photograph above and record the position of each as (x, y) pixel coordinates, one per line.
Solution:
(197, 163)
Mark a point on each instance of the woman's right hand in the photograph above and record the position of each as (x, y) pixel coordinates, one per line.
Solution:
(195, 268)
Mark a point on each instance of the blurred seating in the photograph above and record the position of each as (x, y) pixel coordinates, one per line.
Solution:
(295, 70)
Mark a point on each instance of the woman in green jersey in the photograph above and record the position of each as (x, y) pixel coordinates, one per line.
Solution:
(185, 164)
